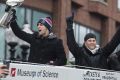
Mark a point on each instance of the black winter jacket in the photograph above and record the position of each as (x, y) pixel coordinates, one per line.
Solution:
(84, 57)
(42, 50)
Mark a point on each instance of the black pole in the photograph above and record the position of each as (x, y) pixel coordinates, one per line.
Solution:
(12, 49)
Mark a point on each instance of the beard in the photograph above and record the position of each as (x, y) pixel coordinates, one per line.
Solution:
(41, 33)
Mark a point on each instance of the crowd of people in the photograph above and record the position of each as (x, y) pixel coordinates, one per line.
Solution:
(46, 48)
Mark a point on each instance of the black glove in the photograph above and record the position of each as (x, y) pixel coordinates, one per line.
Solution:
(69, 21)
(7, 9)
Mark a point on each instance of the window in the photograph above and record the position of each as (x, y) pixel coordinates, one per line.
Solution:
(118, 4)
(80, 31)
(2, 43)
(2, 10)
(20, 12)
(2, 34)
(28, 13)
(101, 1)
(36, 16)
(104, 0)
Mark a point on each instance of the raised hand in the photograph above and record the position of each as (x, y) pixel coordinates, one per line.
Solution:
(7, 9)
(69, 21)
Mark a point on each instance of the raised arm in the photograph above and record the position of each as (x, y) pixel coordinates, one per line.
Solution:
(18, 32)
(72, 45)
(111, 46)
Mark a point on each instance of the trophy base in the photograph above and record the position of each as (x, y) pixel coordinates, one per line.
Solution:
(14, 2)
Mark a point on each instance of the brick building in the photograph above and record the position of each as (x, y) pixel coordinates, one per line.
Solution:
(101, 17)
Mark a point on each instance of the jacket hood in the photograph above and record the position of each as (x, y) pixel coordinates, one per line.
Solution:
(51, 36)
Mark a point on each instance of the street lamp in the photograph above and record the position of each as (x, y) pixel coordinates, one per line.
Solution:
(12, 49)
(12, 42)
(24, 45)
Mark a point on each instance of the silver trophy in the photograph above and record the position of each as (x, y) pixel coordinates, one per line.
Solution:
(10, 4)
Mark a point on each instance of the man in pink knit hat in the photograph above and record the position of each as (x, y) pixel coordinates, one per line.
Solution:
(45, 47)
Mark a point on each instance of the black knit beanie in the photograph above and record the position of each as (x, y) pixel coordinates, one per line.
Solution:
(89, 35)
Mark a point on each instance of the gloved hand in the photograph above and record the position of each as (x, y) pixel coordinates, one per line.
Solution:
(69, 21)
(7, 9)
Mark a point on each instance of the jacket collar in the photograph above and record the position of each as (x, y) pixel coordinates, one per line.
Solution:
(91, 52)
(50, 36)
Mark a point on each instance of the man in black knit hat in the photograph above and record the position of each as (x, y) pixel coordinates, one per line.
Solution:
(45, 47)
(90, 54)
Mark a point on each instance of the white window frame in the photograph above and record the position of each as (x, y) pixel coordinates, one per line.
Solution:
(101, 1)
(118, 5)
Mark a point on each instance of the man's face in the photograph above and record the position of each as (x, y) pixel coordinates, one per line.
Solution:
(42, 30)
(91, 43)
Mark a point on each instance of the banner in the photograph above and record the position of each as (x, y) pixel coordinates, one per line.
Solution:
(46, 72)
